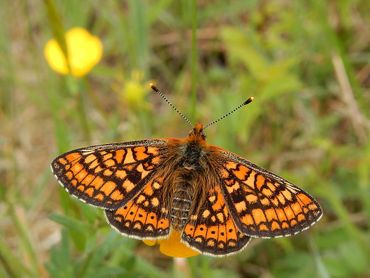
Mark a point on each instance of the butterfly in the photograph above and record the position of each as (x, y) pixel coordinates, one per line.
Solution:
(216, 199)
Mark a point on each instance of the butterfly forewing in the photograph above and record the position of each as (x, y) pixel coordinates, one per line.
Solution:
(263, 204)
(109, 175)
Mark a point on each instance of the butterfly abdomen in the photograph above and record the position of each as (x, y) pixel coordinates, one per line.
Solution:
(182, 199)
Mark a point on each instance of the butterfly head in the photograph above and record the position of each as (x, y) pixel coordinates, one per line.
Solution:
(197, 134)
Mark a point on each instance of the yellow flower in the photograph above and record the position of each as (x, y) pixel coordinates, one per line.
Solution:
(133, 90)
(173, 247)
(84, 52)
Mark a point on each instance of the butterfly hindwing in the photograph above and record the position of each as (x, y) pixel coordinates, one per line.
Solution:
(108, 175)
(145, 216)
(211, 229)
(263, 204)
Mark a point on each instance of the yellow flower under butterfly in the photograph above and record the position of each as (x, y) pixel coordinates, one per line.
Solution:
(84, 52)
(172, 246)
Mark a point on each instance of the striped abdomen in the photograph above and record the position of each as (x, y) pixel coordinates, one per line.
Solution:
(181, 203)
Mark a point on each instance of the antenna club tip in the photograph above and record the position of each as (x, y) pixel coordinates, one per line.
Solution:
(151, 84)
(249, 100)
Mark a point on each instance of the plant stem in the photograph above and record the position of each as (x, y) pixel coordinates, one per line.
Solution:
(194, 57)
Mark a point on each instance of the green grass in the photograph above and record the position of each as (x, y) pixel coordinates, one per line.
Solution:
(306, 64)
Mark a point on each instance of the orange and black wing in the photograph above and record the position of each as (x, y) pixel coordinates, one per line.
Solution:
(109, 175)
(145, 216)
(263, 204)
(211, 229)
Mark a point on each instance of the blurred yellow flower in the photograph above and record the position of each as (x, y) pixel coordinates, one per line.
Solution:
(84, 52)
(173, 247)
(133, 90)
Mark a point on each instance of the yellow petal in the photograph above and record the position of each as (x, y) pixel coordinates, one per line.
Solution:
(150, 242)
(173, 247)
(84, 52)
(54, 56)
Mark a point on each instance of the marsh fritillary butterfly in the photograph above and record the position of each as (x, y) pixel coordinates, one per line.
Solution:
(216, 199)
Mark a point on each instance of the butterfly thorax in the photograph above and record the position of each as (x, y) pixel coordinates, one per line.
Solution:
(191, 149)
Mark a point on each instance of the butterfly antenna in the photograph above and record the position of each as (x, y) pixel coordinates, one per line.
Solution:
(155, 89)
(249, 100)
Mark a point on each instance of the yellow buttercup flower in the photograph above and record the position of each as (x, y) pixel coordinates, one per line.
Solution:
(84, 52)
(133, 90)
(172, 246)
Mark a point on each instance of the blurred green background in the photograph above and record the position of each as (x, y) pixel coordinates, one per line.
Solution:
(305, 62)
